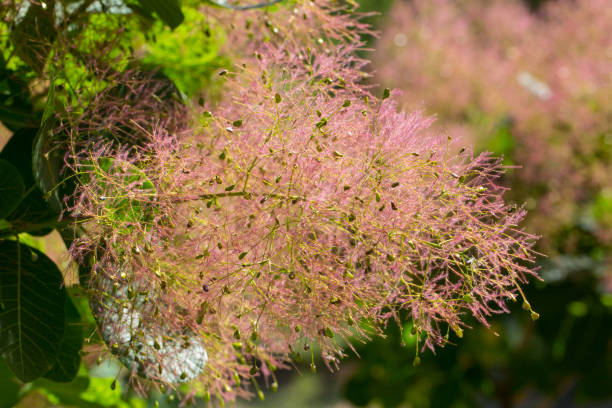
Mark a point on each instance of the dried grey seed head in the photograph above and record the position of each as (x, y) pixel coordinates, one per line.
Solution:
(152, 352)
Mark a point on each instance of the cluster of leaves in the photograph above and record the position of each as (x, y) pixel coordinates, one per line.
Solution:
(40, 335)
(215, 240)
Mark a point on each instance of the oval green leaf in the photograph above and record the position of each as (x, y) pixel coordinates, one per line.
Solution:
(11, 188)
(9, 387)
(68, 357)
(32, 310)
(33, 215)
(47, 162)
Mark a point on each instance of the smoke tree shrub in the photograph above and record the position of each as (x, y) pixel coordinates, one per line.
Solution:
(218, 240)
(524, 84)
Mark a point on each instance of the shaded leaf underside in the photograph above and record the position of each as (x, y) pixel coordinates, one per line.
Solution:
(32, 302)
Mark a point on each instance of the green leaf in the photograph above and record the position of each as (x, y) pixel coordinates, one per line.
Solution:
(33, 215)
(68, 357)
(9, 387)
(47, 162)
(11, 188)
(169, 11)
(32, 310)
(18, 151)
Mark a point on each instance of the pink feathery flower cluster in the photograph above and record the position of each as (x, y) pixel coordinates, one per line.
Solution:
(546, 76)
(298, 211)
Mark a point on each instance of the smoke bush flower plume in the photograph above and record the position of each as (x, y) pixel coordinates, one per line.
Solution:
(298, 210)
